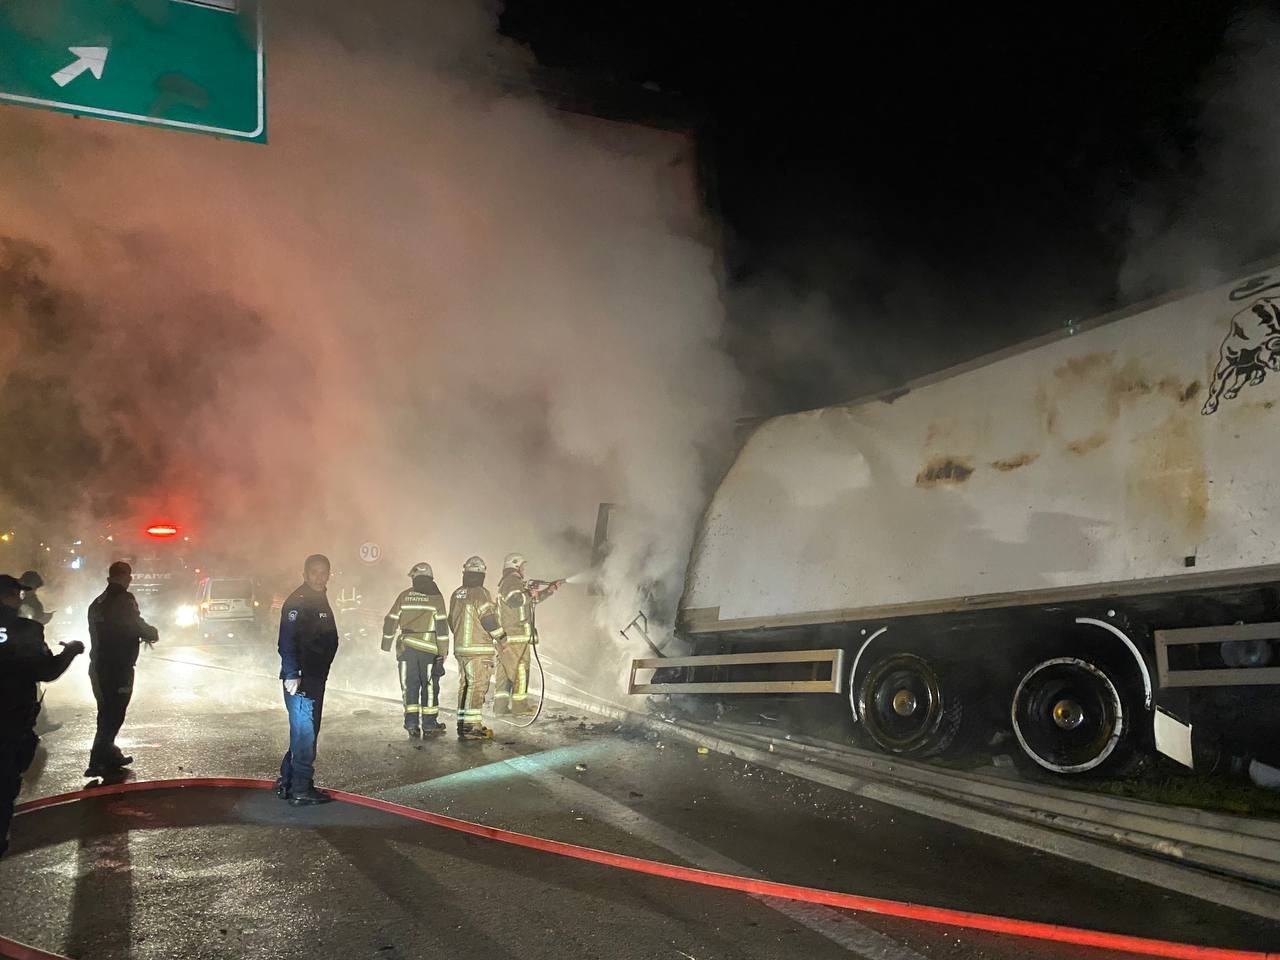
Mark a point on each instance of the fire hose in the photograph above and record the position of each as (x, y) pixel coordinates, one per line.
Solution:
(542, 674)
(942, 916)
(542, 687)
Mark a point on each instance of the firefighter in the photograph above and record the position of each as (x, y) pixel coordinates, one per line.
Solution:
(516, 599)
(25, 660)
(31, 607)
(308, 643)
(421, 617)
(116, 632)
(473, 618)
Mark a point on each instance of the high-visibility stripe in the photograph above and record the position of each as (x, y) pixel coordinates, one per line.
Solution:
(501, 695)
(412, 708)
(473, 651)
(420, 641)
(393, 616)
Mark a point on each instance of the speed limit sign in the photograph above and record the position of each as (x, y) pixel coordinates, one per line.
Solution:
(370, 552)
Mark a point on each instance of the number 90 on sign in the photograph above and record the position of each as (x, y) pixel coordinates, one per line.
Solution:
(370, 552)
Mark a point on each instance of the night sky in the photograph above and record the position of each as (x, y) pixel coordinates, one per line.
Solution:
(944, 181)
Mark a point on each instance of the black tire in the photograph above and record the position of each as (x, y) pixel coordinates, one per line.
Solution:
(1076, 717)
(906, 708)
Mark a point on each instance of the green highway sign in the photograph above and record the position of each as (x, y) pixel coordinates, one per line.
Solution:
(193, 65)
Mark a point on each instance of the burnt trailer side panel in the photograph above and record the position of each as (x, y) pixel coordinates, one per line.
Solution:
(1056, 506)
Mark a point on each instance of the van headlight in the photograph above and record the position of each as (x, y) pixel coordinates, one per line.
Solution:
(187, 616)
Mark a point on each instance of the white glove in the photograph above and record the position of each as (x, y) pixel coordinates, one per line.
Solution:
(292, 686)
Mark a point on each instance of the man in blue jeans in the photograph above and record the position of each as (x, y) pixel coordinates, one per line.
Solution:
(308, 644)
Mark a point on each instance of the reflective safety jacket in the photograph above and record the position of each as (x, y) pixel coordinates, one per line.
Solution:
(473, 617)
(422, 621)
(514, 607)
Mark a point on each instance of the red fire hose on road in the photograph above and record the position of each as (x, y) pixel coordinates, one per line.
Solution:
(1030, 929)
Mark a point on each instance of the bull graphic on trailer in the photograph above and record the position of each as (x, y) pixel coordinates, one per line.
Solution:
(1249, 351)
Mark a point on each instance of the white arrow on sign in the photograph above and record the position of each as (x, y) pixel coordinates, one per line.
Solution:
(93, 59)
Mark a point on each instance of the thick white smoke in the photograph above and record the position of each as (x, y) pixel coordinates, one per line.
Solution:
(427, 315)
(1217, 206)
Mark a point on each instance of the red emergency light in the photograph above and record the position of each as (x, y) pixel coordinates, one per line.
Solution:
(162, 530)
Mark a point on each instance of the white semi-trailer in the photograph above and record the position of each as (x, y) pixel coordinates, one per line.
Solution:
(1078, 538)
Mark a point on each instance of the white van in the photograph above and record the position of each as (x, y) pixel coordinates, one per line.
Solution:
(226, 603)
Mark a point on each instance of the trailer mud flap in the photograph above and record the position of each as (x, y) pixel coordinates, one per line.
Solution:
(1173, 737)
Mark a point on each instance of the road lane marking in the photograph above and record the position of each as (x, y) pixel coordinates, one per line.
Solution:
(834, 925)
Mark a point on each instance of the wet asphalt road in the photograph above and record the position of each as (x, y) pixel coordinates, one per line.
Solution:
(238, 874)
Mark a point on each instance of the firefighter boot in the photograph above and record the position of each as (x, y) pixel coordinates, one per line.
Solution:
(432, 727)
(474, 731)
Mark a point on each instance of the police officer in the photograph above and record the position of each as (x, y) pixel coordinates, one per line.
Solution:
(308, 643)
(116, 631)
(31, 607)
(473, 618)
(421, 617)
(25, 660)
(516, 599)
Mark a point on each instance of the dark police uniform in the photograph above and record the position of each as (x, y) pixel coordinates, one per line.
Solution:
(33, 609)
(25, 660)
(116, 631)
(308, 643)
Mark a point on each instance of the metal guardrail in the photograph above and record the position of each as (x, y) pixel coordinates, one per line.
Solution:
(834, 659)
(1217, 857)
(1226, 844)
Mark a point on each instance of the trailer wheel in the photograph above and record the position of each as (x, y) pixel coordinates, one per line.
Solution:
(906, 709)
(1069, 716)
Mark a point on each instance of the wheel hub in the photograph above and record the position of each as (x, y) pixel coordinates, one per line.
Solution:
(1068, 714)
(904, 703)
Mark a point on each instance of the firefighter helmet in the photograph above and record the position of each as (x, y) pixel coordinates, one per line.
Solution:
(32, 580)
(474, 565)
(514, 561)
(422, 569)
